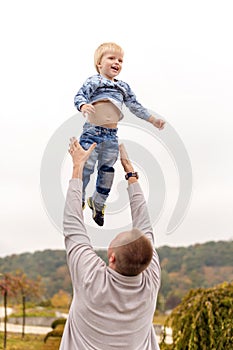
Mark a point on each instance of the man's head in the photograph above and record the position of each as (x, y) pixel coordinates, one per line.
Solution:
(103, 51)
(130, 253)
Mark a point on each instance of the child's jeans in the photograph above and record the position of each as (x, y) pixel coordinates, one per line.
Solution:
(106, 154)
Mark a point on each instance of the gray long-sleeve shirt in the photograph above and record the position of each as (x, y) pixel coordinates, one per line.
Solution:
(109, 311)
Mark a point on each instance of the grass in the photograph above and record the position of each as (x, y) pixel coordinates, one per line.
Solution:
(30, 342)
(36, 342)
(34, 312)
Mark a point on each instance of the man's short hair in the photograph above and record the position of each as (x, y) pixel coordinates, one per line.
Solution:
(102, 49)
(133, 257)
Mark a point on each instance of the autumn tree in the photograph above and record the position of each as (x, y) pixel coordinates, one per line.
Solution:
(26, 287)
(6, 289)
(61, 299)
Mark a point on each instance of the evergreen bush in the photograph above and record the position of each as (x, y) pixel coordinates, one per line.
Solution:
(203, 320)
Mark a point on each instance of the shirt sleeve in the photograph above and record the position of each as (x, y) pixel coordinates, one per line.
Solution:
(134, 106)
(84, 94)
(139, 211)
(81, 256)
(141, 220)
(74, 228)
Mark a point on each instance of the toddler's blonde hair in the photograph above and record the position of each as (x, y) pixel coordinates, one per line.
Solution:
(102, 49)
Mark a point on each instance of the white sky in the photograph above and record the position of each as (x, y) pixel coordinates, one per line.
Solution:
(178, 61)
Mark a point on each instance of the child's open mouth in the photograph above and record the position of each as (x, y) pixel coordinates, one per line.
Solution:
(115, 68)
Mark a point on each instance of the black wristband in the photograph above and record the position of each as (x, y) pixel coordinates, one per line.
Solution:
(131, 174)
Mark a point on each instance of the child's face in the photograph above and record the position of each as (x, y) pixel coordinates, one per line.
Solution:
(111, 64)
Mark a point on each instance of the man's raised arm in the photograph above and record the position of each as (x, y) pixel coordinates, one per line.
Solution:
(139, 211)
(74, 228)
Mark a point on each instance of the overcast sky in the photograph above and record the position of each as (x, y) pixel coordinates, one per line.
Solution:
(178, 61)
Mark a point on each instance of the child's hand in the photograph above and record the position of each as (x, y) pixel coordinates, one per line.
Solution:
(87, 109)
(158, 123)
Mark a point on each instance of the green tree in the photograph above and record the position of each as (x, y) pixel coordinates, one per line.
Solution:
(203, 320)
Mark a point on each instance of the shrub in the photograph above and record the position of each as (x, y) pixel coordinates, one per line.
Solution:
(57, 322)
(203, 320)
(57, 332)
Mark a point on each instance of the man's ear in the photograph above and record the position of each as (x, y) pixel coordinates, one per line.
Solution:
(112, 258)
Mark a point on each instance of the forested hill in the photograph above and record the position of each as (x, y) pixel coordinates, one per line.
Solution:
(196, 256)
(183, 268)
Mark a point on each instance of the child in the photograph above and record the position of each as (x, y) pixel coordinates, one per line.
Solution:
(100, 100)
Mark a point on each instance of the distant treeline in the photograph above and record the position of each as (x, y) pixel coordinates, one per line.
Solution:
(183, 268)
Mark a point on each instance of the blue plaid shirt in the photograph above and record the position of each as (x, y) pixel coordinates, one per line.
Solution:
(98, 88)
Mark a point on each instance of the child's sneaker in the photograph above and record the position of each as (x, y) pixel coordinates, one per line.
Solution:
(97, 215)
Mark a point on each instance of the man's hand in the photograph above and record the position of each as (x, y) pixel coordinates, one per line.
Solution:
(158, 123)
(79, 156)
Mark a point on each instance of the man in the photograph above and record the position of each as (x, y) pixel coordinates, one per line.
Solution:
(113, 306)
